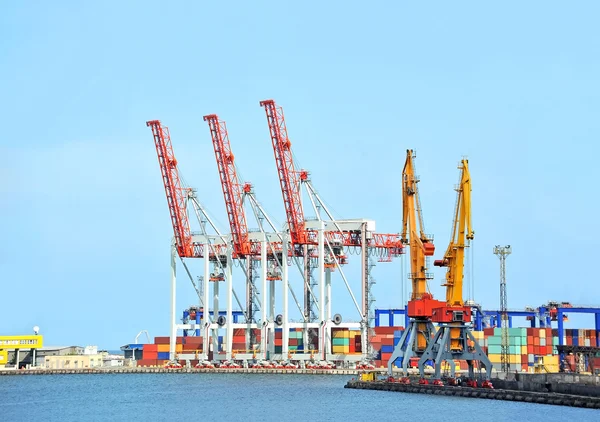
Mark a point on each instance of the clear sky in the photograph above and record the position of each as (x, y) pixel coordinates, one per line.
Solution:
(85, 226)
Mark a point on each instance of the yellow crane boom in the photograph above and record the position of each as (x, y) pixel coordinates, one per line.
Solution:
(421, 245)
(454, 339)
(462, 233)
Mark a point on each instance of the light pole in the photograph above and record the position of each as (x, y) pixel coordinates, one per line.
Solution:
(502, 252)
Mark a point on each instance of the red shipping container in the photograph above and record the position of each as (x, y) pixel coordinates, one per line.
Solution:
(192, 363)
(386, 330)
(385, 357)
(162, 340)
(150, 355)
(192, 347)
(150, 348)
(146, 362)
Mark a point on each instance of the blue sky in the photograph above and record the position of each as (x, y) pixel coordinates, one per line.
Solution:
(85, 226)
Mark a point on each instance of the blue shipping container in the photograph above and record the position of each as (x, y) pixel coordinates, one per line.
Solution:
(163, 355)
(387, 349)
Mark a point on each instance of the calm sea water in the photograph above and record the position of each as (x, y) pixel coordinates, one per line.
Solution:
(249, 397)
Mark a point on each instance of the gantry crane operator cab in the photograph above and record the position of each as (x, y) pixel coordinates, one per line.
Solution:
(217, 274)
(335, 249)
(273, 273)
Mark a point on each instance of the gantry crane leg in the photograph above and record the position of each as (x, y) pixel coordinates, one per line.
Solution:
(407, 347)
(439, 350)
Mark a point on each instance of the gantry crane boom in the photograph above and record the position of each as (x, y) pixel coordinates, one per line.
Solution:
(421, 245)
(176, 195)
(289, 178)
(177, 198)
(232, 188)
(462, 233)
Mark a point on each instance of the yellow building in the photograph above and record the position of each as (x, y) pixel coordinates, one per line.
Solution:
(73, 361)
(21, 342)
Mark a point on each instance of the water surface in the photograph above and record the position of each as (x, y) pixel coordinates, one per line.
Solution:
(248, 397)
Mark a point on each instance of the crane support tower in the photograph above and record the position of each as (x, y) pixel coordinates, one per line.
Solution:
(502, 252)
(453, 339)
(185, 244)
(257, 251)
(420, 329)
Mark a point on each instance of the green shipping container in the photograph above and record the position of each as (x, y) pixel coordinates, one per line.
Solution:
(494, 349)
(494, 341)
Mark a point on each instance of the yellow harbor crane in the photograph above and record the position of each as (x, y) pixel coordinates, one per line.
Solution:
(453, 339)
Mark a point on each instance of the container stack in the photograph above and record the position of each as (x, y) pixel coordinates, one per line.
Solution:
(525, 347)
(383, 343)
(529, 348)
(296, 341)
(157, 353)
(278, 340)
(238, 344)
(344, 341)
(578, 337)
